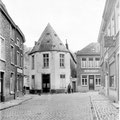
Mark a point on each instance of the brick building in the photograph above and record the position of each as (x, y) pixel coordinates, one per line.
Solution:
(10, 64)
(109, 45)
(88, 69)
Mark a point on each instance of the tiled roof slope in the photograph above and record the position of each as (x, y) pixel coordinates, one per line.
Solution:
(91, 49)
(4, 10)
(49, 41)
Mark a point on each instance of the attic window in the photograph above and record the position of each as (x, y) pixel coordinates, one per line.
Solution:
(47, 33)
(48, 41)
(55, 34)
(60, 43)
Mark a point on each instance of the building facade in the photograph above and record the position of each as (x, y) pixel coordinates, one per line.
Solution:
(49, 64)
(88, 69)
(8, 67)
(109, 44)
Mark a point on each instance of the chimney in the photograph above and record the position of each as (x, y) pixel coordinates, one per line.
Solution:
(35, 42)
(67, 45)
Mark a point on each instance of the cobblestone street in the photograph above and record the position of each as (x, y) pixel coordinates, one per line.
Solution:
(76, 106)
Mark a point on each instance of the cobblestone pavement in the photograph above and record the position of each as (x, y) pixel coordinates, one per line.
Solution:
(75, 106)
(103, 107)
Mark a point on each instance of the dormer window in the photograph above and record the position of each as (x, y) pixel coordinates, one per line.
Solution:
(47, 33)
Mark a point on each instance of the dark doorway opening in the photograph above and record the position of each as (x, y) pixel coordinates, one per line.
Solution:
(45, 83)
(1, 86)
(91, 82)
(74, 86)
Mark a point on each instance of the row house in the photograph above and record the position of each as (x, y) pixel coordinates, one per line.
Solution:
(109, 44)
(26, 67)
(11, 56)
(88, 68)
(49, 64)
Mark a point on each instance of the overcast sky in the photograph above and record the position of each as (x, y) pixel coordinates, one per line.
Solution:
(78, 21)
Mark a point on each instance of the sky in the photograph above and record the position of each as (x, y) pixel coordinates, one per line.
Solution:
(78, 21)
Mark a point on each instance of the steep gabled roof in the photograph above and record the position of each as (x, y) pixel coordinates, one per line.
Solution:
(49, 41)
(91, 49)
(4, 10)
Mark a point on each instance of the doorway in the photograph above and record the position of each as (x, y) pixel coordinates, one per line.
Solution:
(45, 83)
(74, 86)
(1, 86)
(91, 82)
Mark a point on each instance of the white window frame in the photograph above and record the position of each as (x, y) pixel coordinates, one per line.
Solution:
(46, 60)
(2, 52)
(12, 57)
(91, 63)
(12, 33)
(84, 64)
(62, 60)
(84, 80)
(97, 63)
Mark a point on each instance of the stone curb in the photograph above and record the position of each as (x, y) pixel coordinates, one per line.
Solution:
(15, 104)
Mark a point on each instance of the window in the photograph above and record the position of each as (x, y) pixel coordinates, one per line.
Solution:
(1, 81)
(12, 33)
(33, 82)
(12, 54)
(117, 12)
(109, 30)
(84, 80)
(97, 62)
(62, 81)
(113, 25)
(62, 60)
(62, 76)
(21, 62)
(18, 58)
(18, 42)
(45, 60)
(91, 63)
(2, 48)
(98, 81)
(33, 62)
(112, 84)
(84, 63)
(12, 83)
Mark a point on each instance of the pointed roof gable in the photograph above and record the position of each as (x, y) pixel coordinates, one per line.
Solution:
(49, 41)
(91, 49)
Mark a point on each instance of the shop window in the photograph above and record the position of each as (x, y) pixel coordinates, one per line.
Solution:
(98, 80)
(84, 80)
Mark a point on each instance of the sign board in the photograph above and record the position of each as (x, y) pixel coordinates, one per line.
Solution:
(19, 70)
(109, 41)
(91, 70)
